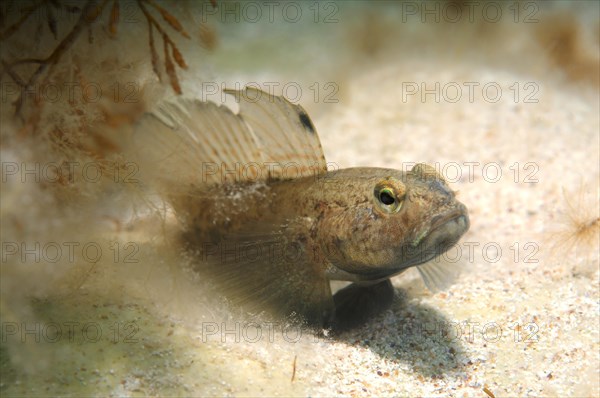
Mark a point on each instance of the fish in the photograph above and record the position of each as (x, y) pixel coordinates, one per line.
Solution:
(274, 224)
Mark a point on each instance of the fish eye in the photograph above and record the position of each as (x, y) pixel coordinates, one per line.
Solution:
(388, 197)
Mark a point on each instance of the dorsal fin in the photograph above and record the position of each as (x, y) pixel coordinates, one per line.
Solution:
(190, 143)
(284, 131)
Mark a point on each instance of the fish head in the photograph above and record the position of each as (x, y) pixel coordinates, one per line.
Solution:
(392, 220)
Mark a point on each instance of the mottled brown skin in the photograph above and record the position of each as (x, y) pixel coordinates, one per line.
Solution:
(343, 229)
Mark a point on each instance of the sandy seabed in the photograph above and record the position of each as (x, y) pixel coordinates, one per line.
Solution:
(522, 149)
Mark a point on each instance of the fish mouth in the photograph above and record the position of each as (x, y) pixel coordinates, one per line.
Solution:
(444, 233)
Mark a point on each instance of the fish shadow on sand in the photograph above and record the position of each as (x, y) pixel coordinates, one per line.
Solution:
(416, 336)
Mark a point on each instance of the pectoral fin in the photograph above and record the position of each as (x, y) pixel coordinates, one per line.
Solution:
(271, 273)
(437, 275)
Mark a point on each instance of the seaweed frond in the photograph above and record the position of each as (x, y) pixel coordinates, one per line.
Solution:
(170, 48)
(33, 70)
(89, 14)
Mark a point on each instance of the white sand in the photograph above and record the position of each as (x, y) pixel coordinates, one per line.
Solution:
(523, 322)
